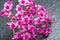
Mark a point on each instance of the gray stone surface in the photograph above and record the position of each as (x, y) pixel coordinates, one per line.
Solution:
(53, 6)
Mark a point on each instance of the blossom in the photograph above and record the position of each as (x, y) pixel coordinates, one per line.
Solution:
(2, 13)
(18, 8)
(13, 18)
(26, 36)
(40, 31)
(18, 15)
(37, 21)
(47, 31)
(19, 23)
(32, 28)
(8, 5)
(25, 27)
(18, 35)
(6, 10)
(25, 2)
(8, 14)
(5, 13)
(33, 35)
(12, 25)
(26, 13)
(26, 19)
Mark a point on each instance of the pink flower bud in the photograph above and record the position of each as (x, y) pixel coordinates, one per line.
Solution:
(13, 18)
(2, 13)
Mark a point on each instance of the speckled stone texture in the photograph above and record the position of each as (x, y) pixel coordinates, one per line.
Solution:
(53, 7)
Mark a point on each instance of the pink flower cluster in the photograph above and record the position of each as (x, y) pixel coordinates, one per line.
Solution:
(31, 18)
(6, 11)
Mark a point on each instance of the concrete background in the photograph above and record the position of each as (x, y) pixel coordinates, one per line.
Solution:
(53, 6)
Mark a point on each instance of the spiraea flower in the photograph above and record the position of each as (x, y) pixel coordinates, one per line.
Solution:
(25, 2)
(37, 21)
(19, 15)
(47, 31)
(40, 31)
(2, 13)
(13, 18)
(19, 23)
(8, 6)
(12, 25)
(18, 36)
(18, 8)
(26, 36)
(5, 13)
(31, 19)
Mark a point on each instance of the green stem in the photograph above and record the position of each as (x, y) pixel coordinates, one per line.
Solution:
(13, 31)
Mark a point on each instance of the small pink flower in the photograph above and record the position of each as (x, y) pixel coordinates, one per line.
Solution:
(47, 31)
(18, 35)
(43, 26)
(27, 13)
(2, 13)
(33, 12)
(32, 28)
(40, 31)
(18, 8)
(19, 23)
(37, 21)
(26, 19)
(33, 35)
(13, 18)
(47, 21)
(26, 36)
(28, 8)
(30, 21)
(25, 2)
(41, 8)
(12, 25)
(25, 26)
(8, 14)
(5, 13)
(8, 5)
(18, 15)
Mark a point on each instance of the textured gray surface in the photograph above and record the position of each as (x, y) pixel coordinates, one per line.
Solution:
(53, 6)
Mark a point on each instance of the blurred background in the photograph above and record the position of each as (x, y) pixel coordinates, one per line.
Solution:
(52, 6)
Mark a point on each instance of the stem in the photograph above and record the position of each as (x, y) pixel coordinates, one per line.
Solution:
(13, 31)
